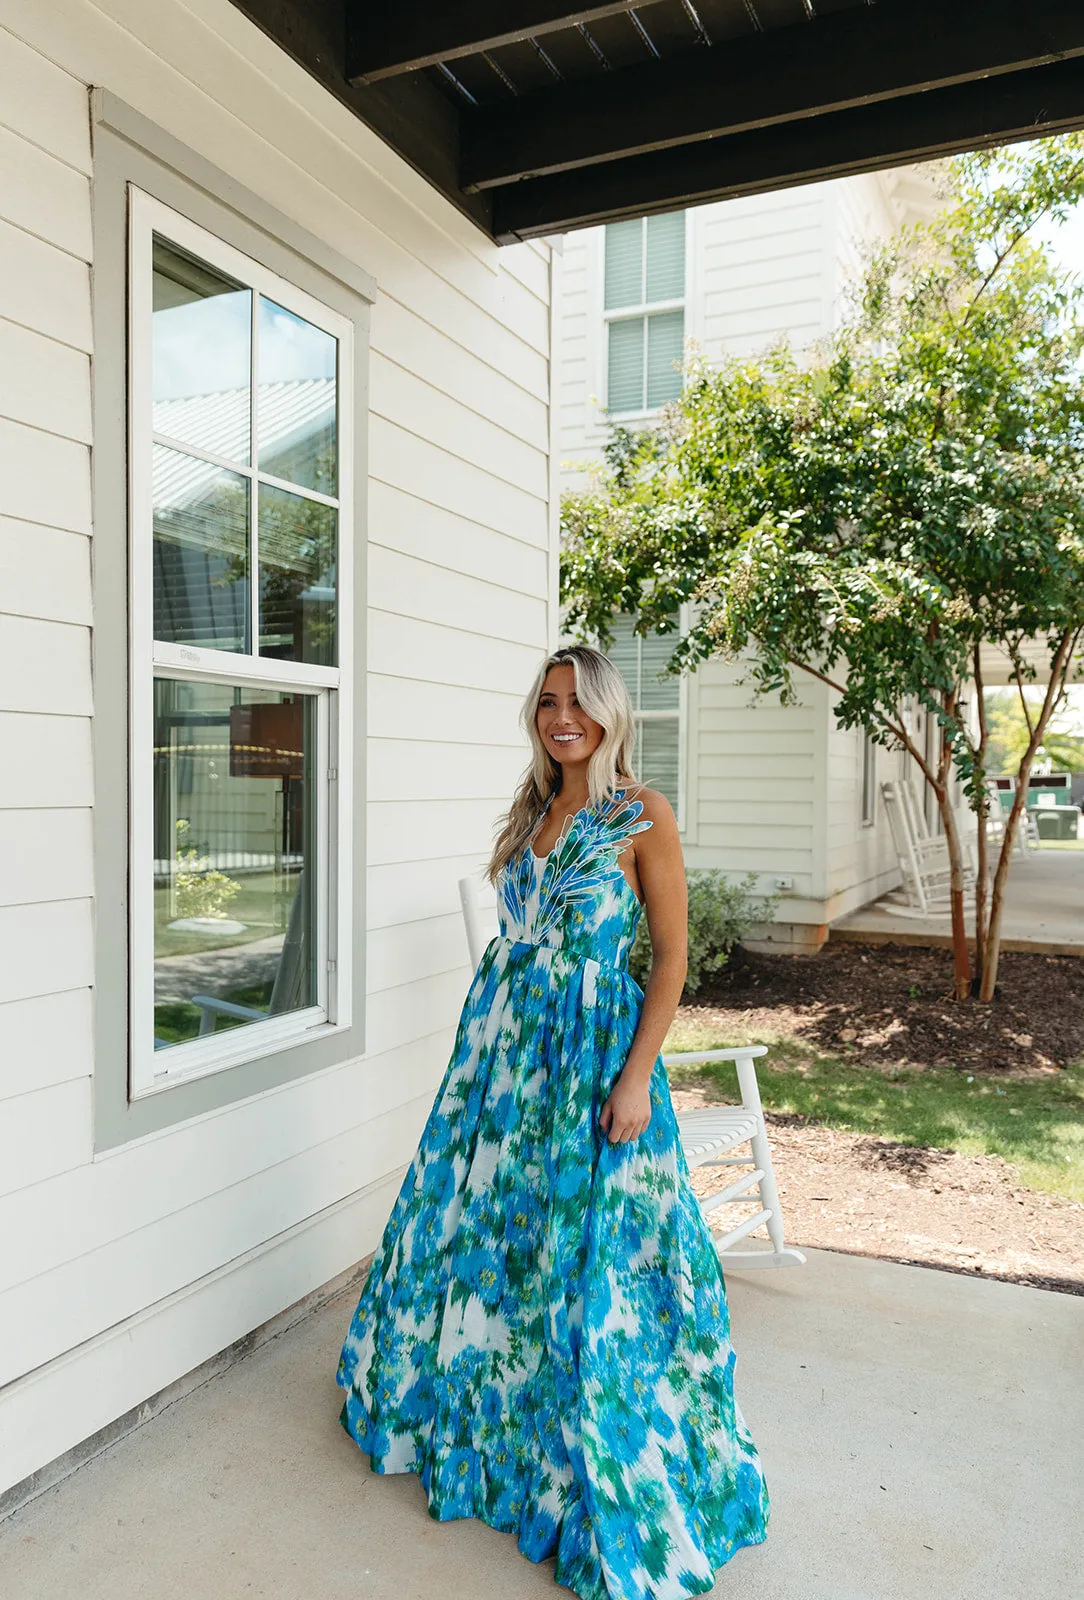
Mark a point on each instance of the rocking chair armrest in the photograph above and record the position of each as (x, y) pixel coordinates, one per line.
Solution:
(743, 1057)
(692, 1058)
(226, 1008)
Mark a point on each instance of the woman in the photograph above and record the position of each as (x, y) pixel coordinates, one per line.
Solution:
(544, 1334)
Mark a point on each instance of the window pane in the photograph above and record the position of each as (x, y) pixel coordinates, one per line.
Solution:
(624, 249)
(659, 757)
(201, 514)
(296, 400)
(234, 869)
(297, 577)
(625, 374)
(658, 693)
(869, 778)
(666, 257)
(202, 354)
(625, 655)
(665, 349)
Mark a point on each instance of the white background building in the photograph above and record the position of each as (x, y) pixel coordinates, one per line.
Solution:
(778, 791)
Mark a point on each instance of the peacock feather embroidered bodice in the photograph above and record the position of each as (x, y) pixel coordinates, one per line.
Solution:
(577, 899)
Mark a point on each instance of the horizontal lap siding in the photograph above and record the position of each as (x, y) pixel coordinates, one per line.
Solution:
(857, 853)
(578, 335)
(764, 270)
(756, 780)
(458, 569)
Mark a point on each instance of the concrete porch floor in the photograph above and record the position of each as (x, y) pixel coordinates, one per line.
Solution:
(1044, 911)
(921, 1433)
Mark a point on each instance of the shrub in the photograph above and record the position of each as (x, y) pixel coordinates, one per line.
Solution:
(721, 913)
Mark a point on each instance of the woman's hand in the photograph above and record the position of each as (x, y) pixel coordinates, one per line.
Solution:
(627, 1112)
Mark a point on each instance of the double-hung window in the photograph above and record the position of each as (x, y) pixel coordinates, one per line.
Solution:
(644, 310)
(241, 490)
(658, 704)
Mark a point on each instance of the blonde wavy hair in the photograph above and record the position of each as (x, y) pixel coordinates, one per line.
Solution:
(601, 692)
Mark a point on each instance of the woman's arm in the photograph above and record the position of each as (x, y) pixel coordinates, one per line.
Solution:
(661, 869)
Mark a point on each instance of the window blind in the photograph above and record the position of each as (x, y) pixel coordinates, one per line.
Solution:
(665, 250)
(665, 348)
(656, 693)
(660, 757)
(625, 365)
(624, 250)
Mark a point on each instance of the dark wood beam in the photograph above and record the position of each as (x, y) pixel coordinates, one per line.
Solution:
(989, 111)
(411, 115)
(844, 60)
(383, 40)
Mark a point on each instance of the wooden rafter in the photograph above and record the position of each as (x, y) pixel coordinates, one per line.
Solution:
(989, 111)
(870, 104)
(385, 40)
(844, 60)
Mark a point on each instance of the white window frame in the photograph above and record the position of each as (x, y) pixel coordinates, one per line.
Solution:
(629, 314)
(152, 1071)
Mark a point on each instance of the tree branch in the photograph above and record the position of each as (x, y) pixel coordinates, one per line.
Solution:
(895, 728)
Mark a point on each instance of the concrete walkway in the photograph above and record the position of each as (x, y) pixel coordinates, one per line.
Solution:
(1044, 911)
(921, 1433)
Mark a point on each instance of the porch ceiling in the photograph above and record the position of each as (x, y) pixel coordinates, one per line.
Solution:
(534, 116)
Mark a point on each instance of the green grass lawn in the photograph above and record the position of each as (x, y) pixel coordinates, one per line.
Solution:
(262, 905)
(1037, 1125)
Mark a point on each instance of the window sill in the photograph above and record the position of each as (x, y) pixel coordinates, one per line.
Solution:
(209, 1056)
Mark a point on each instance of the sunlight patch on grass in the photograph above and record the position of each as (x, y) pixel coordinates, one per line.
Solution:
(1037, 1125)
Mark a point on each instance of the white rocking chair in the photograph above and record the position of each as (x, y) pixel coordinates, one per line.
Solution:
(1027, 828)
(708, 1134)
(922, 856)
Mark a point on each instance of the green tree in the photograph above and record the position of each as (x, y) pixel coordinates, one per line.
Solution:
(871, 514)
(1009, 723)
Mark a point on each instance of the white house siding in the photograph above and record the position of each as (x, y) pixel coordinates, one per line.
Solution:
(122, 1271)
(860, 859)
(771, 790)
(755, 772)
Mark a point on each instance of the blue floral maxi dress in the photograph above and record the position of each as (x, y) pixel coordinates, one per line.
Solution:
(544, 1334)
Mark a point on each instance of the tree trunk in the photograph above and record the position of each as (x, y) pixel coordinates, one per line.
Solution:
(982, 884)
(997, 897)
(1059, 668)
(961, 957)
(982, 812)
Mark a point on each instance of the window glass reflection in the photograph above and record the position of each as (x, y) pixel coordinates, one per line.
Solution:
(297, 577)
(201, 559)
(234, 868)
(296, 400)
(202, 354)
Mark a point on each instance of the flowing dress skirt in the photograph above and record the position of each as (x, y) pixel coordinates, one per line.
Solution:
(544, 1336)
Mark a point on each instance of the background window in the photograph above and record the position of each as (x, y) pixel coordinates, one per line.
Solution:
(657, 703)
(644, 311)
(869, 780)
(237, 423)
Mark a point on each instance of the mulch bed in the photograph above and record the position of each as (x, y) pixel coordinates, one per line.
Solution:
(874, 1197)
(870, 1196)
(888, 1003)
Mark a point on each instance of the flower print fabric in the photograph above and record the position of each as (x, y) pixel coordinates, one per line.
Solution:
(543, 1336)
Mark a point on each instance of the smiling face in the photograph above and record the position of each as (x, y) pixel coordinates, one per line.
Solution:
(567, 732)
